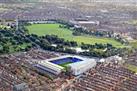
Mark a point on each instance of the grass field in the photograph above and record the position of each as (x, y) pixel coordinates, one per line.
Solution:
(134, 44)
(65, 64)
(131, 67)
(48, 29)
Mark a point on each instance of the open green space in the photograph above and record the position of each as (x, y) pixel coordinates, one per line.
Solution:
(134, 44)
(49, 29)
(14, 48)
(132, 22)
(4, 26)
(131, 67)
(65, 64)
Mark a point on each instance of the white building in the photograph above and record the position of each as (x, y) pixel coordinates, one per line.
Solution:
(82, 66)
(50, 67)
(76, 68)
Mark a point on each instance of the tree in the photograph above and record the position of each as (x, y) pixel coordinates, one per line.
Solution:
(6, 48)
(76, 33)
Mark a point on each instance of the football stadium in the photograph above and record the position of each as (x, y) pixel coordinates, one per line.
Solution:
(74, 64)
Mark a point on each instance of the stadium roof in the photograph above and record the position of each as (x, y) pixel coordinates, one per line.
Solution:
(82, 64)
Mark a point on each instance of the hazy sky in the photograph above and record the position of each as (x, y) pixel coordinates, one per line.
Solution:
(74, 0)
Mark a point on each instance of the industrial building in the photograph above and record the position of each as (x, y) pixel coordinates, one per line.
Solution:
(74, 64)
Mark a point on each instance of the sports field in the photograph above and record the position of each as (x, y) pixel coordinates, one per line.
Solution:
(49, 29)
(65, 64)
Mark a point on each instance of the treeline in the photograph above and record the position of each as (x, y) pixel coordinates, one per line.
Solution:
(15, 41)
(117, 37)
(102, 50)
(79, 30)
(20, 40)
(10, 42)
(96, 50)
